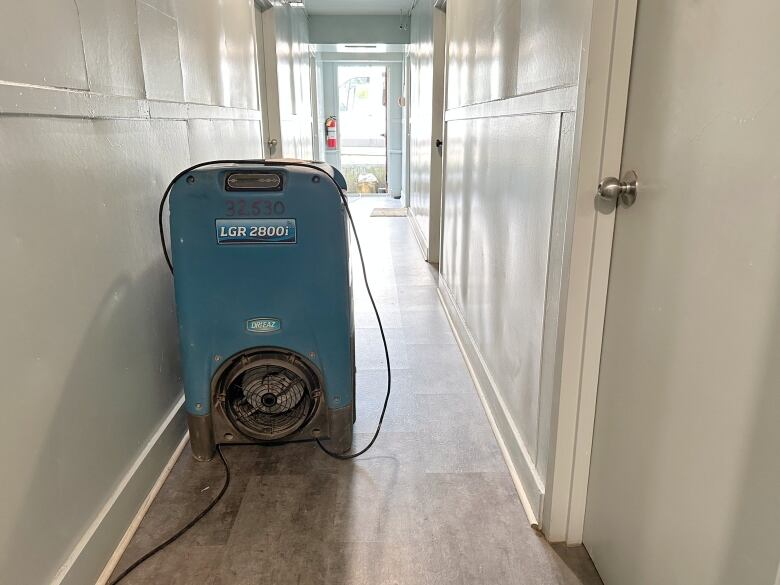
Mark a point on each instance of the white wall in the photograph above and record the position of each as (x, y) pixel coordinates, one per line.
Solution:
(100, 105)
(512, 76)
(426, 60)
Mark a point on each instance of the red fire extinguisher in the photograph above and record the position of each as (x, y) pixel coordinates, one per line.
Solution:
(330, 132)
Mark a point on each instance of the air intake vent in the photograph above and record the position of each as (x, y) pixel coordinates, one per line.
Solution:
(269, 395)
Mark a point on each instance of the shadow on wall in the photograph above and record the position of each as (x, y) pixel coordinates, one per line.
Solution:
(109, 390)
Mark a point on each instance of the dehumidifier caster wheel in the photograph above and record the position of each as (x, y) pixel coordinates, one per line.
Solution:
(201, 436)
(340, 440)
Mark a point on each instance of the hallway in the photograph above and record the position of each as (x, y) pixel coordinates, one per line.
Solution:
(431, 503)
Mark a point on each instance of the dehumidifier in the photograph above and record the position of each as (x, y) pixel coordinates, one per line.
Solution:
(264, 303)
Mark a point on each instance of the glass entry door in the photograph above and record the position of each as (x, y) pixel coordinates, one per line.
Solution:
(363, 127)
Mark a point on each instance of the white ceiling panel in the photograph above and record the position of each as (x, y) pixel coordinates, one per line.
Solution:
(357, 6)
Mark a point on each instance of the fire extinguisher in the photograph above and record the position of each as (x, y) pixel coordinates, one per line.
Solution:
(330, 132)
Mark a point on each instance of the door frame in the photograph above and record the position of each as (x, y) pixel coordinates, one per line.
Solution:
(430, 246)
(316, 97)
(271, 115)
(601, 112)
(407, 93)
(262, 91)
(380, 59)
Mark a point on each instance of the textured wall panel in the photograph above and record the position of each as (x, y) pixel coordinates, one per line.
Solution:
(201, 45)
(218, 52)
(40, 43)
(109, 29)
(239, 69)
(90, 345)
(165, 6)
(159, 36)
(502, 48)
(506, 202)
(211, 139)
(499, 187)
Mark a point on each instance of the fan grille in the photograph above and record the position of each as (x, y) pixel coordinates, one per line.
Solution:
(269, 400)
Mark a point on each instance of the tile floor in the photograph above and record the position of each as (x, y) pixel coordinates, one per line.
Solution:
(432, 503)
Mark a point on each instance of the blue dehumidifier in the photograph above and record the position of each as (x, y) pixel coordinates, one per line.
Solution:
(264, 304)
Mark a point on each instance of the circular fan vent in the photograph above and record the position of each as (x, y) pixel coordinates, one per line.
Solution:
(269, 395)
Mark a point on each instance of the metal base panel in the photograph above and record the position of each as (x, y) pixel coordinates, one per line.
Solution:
(332, 426)
(201, 436)
(340, 436)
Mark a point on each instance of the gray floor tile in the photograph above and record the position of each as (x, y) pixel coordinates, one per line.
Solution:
(365, 318)
(261, 562)
(419, 297)
(385, 295)
(179, 564)
(404, 448)
(438, 369)
(456, 410)
(402, 414)
(415, 277)
(425, 326)
(461, 449)
(370, 353)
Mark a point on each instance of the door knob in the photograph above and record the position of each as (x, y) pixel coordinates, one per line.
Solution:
(610, 189)
(272, 142)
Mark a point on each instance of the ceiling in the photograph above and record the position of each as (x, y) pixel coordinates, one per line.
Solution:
(358, 6)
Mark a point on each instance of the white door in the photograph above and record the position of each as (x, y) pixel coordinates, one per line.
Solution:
(684, 482)
(288, 83)
(426, 117)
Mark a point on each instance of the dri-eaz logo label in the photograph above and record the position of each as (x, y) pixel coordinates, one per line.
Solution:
(263, 325)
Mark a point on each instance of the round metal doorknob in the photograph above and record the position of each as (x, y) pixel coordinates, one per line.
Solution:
(611, 188)
(273, 142)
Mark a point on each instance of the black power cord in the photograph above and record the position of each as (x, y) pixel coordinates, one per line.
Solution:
(333, 454)
(381, 332)
(175, 536)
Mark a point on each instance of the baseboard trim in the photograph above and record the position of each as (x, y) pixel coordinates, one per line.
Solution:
(527, 483)
(417, 233)
(88, 557)
(108, 570)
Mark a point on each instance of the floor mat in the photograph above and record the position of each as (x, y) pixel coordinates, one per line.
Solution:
(389, 212)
